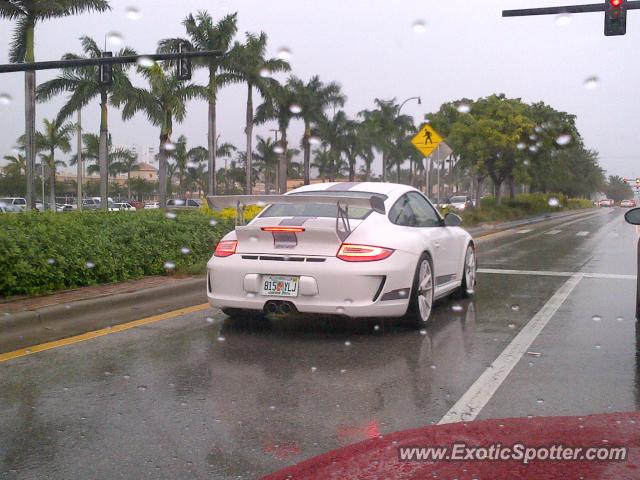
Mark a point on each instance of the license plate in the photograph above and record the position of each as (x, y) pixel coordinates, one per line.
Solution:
(280, 286)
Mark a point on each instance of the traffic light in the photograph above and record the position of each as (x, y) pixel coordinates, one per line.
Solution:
(106, 70)
(615, 17)
(183, 67)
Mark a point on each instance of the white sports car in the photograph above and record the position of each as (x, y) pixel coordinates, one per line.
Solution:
(354, 249)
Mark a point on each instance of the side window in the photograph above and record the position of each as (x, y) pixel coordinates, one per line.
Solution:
(425, 214)
(401, 213)
(192, 203)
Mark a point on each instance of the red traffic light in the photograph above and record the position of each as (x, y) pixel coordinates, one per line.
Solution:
(615, 3)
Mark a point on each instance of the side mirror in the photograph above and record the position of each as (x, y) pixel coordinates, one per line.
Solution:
(633, 216)
(452, 220)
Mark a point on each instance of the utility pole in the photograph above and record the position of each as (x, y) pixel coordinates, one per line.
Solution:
(79, 159)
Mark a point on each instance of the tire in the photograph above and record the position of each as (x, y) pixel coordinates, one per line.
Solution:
(468, 273)
(422, 293)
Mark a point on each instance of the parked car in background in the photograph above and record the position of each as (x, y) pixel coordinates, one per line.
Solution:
(461, 202)
(121, 206)
(64, 207)
(444, 202)
(90, 204)
(15, 201)
(7, 208)
(183, 202)
(137, 204)
(606, 202)
(151, 205)
(628, 203)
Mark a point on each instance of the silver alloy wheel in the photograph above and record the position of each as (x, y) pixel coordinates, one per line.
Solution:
(425, 290)
(470, 269)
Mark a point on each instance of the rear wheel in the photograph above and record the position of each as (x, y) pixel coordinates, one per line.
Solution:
(422, 293)
(468, 273)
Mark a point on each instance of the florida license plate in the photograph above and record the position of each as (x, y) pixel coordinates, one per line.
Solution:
(280, 286)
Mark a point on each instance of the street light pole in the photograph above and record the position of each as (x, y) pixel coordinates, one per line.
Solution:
(277, 182)
(384, 167)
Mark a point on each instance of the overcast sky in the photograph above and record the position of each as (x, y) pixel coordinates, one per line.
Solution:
(369, 46)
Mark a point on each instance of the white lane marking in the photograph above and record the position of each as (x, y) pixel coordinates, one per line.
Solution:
(478, 395)
(552, 232)
(615, 276)
(525, 230)
(582, 234)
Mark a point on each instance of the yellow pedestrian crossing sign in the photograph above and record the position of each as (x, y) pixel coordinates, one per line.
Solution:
(426, 140)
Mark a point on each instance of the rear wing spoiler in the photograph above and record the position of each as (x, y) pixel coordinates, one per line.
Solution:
(239, 202)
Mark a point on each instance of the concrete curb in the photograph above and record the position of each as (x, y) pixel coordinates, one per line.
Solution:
(54, 322)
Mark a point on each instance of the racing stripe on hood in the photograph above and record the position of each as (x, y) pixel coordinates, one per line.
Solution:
(343, 186)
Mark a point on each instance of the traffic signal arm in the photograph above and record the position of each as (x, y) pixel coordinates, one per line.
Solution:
(591, 7)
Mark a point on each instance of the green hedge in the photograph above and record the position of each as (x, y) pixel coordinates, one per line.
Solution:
(45, 252)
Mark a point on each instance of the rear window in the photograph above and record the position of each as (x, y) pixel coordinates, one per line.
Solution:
(458, 199)
(319, 210)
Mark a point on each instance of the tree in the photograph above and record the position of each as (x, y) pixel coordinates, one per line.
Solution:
(126, 161)
(617, 189)
(266, 158)
(56, 136)
(17, 165)
(184, 157)
(313, 98)
(204, 34)
(250, 66)
(27, 13)
(164, 102)
(84, 85)
(277, 106)
(335, 134)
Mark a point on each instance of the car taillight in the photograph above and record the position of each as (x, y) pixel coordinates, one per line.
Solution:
(283, 229)
(225, 248)
(362, 253)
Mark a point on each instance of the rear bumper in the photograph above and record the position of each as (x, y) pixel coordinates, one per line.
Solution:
(332, 287)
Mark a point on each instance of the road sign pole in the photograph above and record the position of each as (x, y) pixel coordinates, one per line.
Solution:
(438, 173)
(427, 179)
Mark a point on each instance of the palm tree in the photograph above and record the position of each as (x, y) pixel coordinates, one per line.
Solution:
(266, 158)
(56, 136)
(322, 162)
(277, 106)
(183, 157)
(386, 125)
(164, 102)
(335, 135)
(84, 85)
(91, 151)
(126, 161)
(17, 165)
(27, 13)
(249, 65)
(204, 34)
(313, 98)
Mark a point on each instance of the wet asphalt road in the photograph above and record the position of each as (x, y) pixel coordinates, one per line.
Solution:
(205, 396)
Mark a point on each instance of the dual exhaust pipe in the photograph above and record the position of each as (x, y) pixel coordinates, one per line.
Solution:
(283, 308)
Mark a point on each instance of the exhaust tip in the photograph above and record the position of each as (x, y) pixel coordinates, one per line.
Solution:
(271, 307)
(285, 308)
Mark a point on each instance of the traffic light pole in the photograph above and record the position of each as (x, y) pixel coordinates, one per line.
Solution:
(591, 7)
(92, 62)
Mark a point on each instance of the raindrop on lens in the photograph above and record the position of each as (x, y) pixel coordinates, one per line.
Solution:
(419, 26)
(209, 320)
(423, 332)
(432, 367)
(145, 62)
(170, 215)
(521, 146)
(540, 401)
(295, 109)
(343, 370)
(213, 223)
(533, 148)
(278, 149)
(114, 38)
(456, 308)
(554, 202)
(376, 327)
(464, 108)
(340, 310)
(169, 146)
(185, 250)
(563, 139)
(563, 19)
(591, 83)
(132, 13)
(348, 301)
(169, 265)
(347, 343)
(620, 319)
(221, 338)
(261, 203)
(265, 72)
(533, 138)
(313, 369)
(284, 53)
(89, 265)
(126, 377)
(512, 325)
(142, 388)
(597, 346)
(179, 202)
(51, 261)
(315, 141)
(596, 318)
(192, 164)
(538, 129)
(5, 99)
(253, 238)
